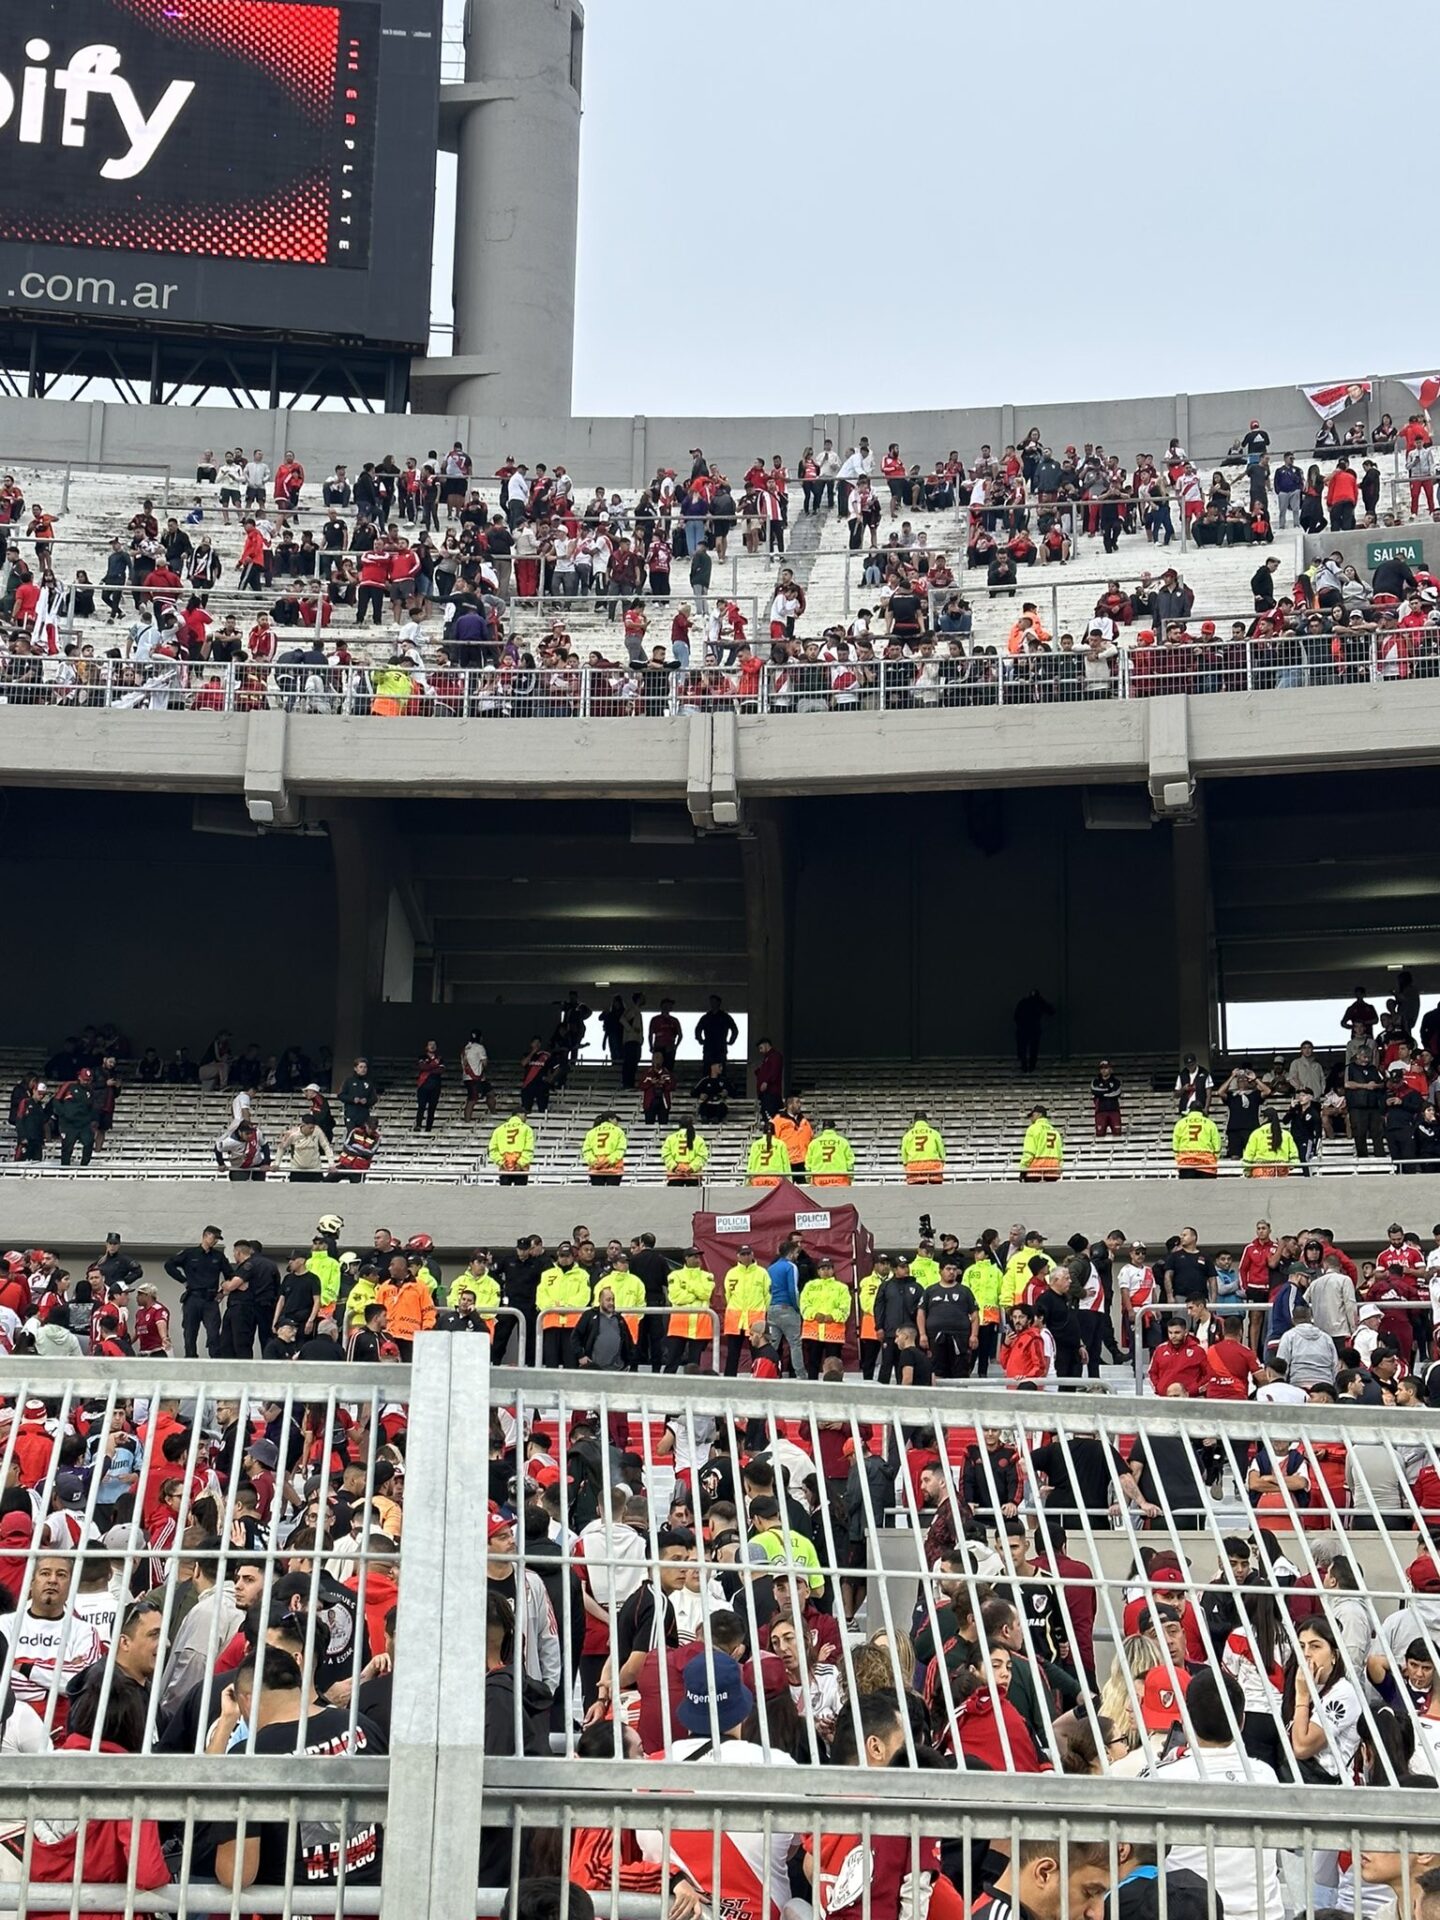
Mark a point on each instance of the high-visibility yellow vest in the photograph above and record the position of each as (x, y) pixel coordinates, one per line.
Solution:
(512, 1145)
(1195, 1140)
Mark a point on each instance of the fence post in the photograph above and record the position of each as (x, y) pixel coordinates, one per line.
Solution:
(437, 1759)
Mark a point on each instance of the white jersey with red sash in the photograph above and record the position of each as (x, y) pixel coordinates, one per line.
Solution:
(754, 1883)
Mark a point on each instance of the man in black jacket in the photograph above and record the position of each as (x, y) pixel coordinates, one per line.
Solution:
(198, 1271)
(251, 1292)
(654, 1271)
(357, 1096)
(897, 1304)
(1403, 1106)
(602, 1337)
(520, 1275)
(1061, 1321)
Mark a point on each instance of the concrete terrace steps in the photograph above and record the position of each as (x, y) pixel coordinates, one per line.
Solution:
(979, 1106)
(100, 505)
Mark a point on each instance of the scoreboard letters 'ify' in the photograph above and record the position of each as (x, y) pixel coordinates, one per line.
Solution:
(216, 163)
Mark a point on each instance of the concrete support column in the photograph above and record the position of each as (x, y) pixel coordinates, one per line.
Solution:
(517, 201)
(1197, 1011)
(361, 845)
(639, 452)
(767, 861)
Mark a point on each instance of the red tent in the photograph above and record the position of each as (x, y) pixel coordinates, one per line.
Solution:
(830, 1229)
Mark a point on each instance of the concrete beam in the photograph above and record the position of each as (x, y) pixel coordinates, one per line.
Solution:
(154, 1217)
(1113, 742)
(1167, 736)
(698, 796)
(266, 799)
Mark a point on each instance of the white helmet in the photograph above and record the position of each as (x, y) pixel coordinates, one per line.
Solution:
(330, 1223)
(349, 1259)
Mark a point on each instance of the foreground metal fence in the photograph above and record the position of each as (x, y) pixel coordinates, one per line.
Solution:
(1134, 1526)
(941, 675)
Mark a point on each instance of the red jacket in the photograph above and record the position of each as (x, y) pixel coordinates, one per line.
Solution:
(1256, 1273)
(114, 1849)
(1185, 1363)
(977, 1728)
(252, 553)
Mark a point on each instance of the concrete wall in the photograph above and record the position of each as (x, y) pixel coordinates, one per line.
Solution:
(155, 1216)
(169, 933)
(920, 920)
(1161, 741)
(620, 451)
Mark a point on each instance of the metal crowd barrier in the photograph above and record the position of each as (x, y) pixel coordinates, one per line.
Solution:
(449, 1779)
(942, 676)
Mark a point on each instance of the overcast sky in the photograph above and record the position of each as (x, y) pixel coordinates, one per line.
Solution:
(841, 205)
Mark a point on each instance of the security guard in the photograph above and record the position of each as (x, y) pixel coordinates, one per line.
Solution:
(986, 1283)
(922, 1154)
(1270, 1152)
(686, 1156)
(768, 1161)
(925, 1268)
(825, 1304)
(794, 1128)
(479, 1280)
(865, 1293)
(829, 1159)
(1042, 1152)
(603, 1151)
(562, 1295)
(747, 1301)
(1195, 1139)
(689, 1286)
(512, 1148)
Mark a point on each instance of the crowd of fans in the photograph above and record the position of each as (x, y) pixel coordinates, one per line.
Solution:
(192, 1577)
(456, 594)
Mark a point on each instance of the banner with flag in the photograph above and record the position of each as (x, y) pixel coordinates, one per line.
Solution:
(1335, 398)
(1425, 387)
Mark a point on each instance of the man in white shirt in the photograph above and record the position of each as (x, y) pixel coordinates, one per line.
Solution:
(1215, 1718)
(517, 496)
(49, 1642)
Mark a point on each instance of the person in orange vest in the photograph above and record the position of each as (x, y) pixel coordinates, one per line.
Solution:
(794, 1131)
(409, 1305)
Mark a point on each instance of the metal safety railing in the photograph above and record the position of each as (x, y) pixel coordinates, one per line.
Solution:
(959, 1559)
(306, 678)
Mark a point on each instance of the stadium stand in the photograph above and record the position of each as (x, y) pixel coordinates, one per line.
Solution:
(549, 649)
(981, 1108)
(606, 1527)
